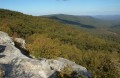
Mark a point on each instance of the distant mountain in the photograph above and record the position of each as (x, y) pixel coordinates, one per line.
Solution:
(102, 24)
(115, 19)
(82, 21)
(108, 17)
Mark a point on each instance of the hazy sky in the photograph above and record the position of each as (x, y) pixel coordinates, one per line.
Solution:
(74, 7)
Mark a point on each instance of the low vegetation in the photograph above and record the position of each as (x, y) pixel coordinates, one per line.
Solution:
(66, 72)
(47, 38)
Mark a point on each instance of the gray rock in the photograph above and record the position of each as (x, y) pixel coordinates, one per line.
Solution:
(18, 65)
(20, 42)
(5, 39)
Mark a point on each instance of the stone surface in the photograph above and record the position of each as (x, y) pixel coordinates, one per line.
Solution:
(20, 42)
(18, 65)
(5, 39)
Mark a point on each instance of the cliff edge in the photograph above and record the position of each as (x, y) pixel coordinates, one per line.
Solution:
(14, 64)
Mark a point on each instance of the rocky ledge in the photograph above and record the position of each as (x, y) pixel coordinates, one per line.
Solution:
(14, 64)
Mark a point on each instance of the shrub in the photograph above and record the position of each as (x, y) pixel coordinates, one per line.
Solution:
(43, 47)
(66, 72)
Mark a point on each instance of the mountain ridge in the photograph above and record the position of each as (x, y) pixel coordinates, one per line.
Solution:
(49, 38)
(88, 20)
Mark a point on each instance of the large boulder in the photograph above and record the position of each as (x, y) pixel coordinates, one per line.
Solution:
(18, 65)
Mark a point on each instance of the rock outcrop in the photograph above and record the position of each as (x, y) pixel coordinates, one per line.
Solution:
(17, 65)
(4, 38)
(20, 42)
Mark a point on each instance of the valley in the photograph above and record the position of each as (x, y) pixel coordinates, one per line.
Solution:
(88, 41)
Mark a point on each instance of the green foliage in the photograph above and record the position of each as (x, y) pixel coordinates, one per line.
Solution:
(100, 64)
(1, 77)
(42, 46)
(107, 69)
(66, 72)
(47, 38)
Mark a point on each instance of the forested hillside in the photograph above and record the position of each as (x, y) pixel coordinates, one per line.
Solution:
(95, 24)
(48, 38)
(82, 21)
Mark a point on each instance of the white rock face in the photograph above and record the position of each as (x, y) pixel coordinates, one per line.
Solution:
(18, 65)
(4, 38)
(21, 42)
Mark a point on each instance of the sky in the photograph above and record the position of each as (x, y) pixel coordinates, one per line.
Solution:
(72, 7)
